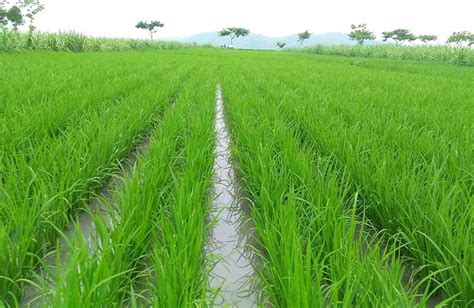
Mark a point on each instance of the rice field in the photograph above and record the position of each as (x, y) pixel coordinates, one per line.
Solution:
(352, 180)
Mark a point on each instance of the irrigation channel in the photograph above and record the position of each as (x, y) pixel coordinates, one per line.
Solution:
(232, 277)
(233, 271)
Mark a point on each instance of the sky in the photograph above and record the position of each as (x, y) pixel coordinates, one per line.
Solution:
(117, 18)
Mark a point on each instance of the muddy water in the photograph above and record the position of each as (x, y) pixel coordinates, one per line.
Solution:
(232, 273)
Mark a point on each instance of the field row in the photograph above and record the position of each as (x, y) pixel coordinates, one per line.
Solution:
(358, 178)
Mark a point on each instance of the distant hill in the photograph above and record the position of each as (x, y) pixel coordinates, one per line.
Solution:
(258, 41)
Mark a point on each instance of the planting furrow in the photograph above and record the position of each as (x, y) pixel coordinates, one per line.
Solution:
(407, 197)
(40, 193)
(417, 188)
(299, 205)
(233, 271)
(153, 229)
(82, 229)
(369, 234)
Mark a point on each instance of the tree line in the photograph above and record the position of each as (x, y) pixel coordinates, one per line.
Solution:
(360, 34)
(25, 11)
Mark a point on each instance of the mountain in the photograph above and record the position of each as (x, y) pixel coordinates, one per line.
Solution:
(258, 41)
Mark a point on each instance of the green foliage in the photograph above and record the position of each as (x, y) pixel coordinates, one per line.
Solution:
(224, 32)
(360, 33)
(303, 36)
(399, 35)
(32, 8)
(234, 32)
(15, 17)
(16, 14)
(3, 17)
(425, 38)
(76, 42)
(150, 26)
(390, 51)
(460, 38)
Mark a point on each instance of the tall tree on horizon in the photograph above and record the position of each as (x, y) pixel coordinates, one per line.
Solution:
(399, 35)
(303, 36)
(233, 32)
(425, 38)
(150, 26)
(360, 33)
(461, 37)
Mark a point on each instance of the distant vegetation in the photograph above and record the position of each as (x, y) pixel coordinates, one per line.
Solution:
(303, 36)
(233, 33)
(360, 34)
(280, 45)
(440, 53)
(77, 42)
(13, 16)
(150, 26)
(457, 51)
(425, 38)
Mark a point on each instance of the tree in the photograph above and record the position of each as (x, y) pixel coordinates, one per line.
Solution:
(32, 8)
(150, 26)
(303, 36)
(233, 33)
(360, 33)
(399, 35)
(281, 45)
(15, 17)
(425, 38)
(461, 37)
(3, 17)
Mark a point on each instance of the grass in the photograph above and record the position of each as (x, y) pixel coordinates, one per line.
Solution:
(358, 173)
(76, 42)
(438, 53)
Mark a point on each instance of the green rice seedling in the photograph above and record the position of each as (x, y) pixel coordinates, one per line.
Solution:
(158, 228)
(298, 204)
(43, 187)
(408, 160)
(180, 271)
(358, 173)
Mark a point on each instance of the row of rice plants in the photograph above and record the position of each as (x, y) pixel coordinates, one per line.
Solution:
(152, 237)
(76, 42)
(42, 188)
(439, 53)
(53, 101)
(408, 150)
(314, 246)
